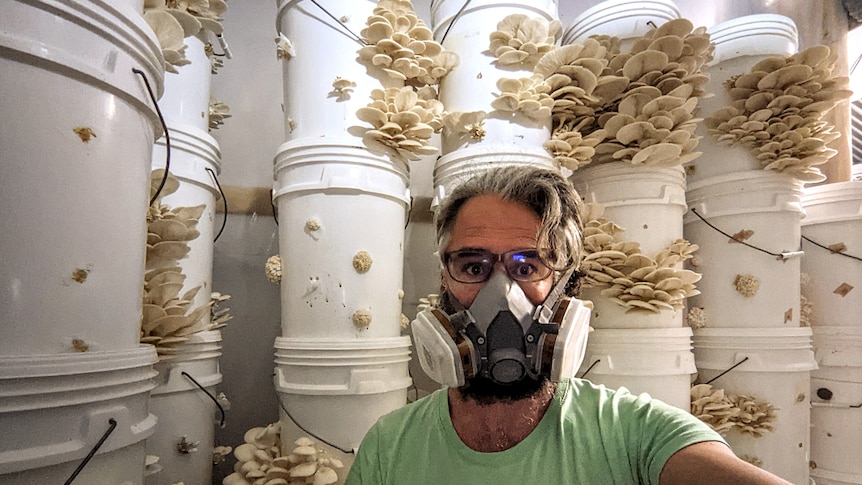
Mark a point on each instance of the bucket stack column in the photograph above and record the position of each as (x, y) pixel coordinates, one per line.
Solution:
(74, 171)
(832, 279)
(178, 298)
(357, 110)
(638, 114)
(763, 138)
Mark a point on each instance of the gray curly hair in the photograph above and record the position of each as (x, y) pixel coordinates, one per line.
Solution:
(545, 191)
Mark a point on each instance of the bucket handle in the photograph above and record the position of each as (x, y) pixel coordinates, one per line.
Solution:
(318, 438)
(590, 368)
(782, 256)
(164, 128)
(833, 251)
(734, 366)
(202, 388)
(112, 425)
(224, 202)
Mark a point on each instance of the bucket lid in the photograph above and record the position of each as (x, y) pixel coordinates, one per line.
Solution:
(754, 35)
(621, 18)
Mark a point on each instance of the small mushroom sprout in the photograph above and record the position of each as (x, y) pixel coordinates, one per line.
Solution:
(284, 48)
(273, 268)
(341, 88)
(362, 262)
(746, 284)
(218, 112)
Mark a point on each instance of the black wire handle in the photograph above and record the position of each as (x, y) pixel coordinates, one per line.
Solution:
(780, 256)
(167, 135)
(857, 258)
(202, 388)
(224, 201)
(274, 207)
(112, 426)
(318, 438)
(734, 366)
(590, 368)
(452, 22)
(352, 35)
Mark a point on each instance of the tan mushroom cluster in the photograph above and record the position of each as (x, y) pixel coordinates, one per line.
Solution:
(400, 43)
(272, 268)
(341, 89)
(639, 104)
(219, 315)
(218, 112)
(777, 112)
(174, 20)
(527, 95)
(429, 302)
(520, 41)
(724, 412)
(259, 461)
(403, 121)
(630, 278)
(170, 35)
(168, 317)
(470, 124)
(746, 284)
(696, 317)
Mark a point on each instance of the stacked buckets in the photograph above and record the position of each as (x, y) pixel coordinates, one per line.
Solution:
(341, 362)
(834, 217)
(512, 138)
(752, 343)
(75, 178)
(643, 352)
(185, 435)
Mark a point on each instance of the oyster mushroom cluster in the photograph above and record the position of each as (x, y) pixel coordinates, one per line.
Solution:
(527, 95)
(219, 316)
(520, 41)
(777, 112)
(272, 268)
(639, 105)
(630, 278)
(470, 124)
(168, 317)
(174, 20)
(400, 43)
(724, 412)
(259, 461)
(218, 112)
(403, 120)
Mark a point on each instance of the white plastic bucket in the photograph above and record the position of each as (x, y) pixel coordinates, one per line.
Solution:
(740, 43)
(472, 85)
(337, 388)
(607, 314)
(186, 101)
(194, 153)
(76, 74)
(625, 19)
(324, 51)
(335, 201)
(658, 362)
(454, 168)
(648, 202)
(185, 411)
(55, 408)
(833, 215)
(777, 370)
(836, 393)
(762, 201)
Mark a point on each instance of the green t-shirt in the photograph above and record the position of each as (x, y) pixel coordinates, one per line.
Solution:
(589, 435)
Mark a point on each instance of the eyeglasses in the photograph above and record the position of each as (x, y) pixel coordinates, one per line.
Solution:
(477, 265)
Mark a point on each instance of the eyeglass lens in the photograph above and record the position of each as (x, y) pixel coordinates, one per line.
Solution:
(476, 265)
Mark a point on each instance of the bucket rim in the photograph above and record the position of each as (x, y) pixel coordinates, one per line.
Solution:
(313, 343)
(586, 21)
(49, 365)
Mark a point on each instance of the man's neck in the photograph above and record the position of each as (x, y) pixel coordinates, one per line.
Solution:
(499, 425)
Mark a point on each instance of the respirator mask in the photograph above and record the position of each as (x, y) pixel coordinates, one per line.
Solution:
(502, 336)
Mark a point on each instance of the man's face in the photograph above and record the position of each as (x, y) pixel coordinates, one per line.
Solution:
(490, 223)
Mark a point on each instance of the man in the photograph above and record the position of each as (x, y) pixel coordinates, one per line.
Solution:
(505, 238)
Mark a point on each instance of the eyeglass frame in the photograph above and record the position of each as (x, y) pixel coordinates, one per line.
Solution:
(501, 258)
